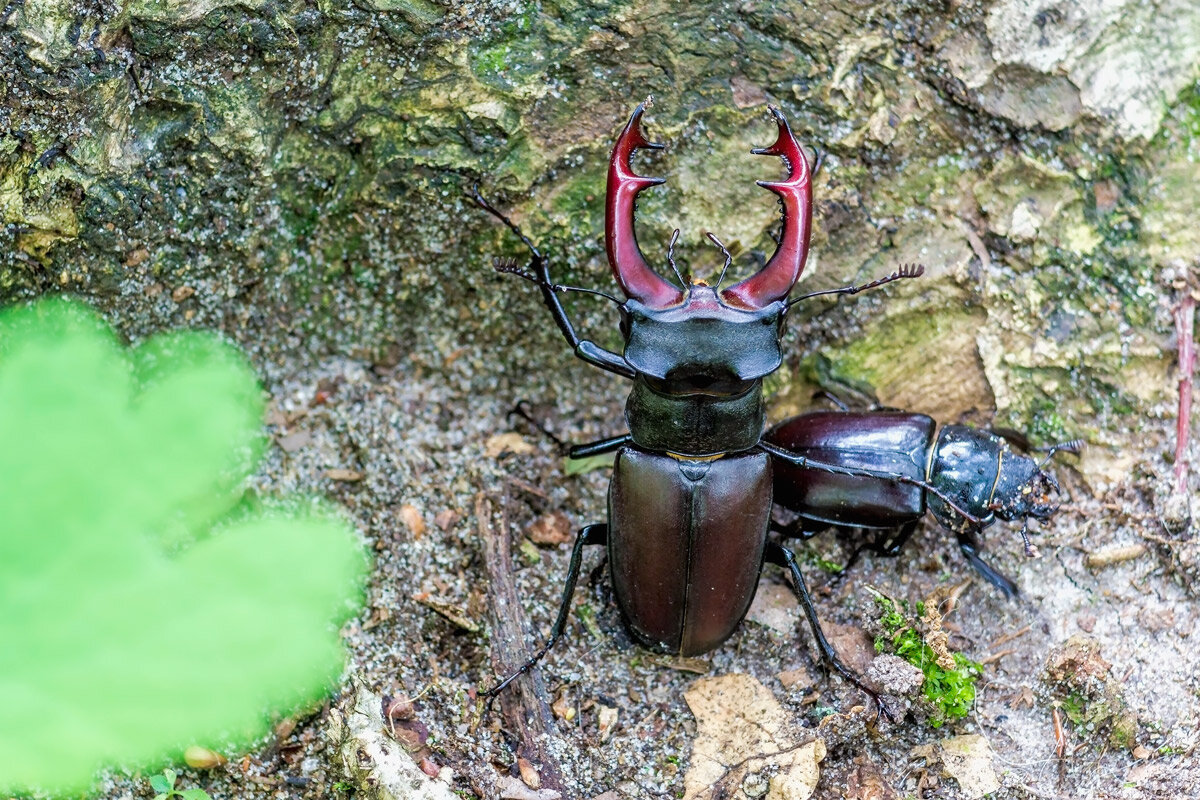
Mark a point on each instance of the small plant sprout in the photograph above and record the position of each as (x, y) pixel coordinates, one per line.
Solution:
(165, 786)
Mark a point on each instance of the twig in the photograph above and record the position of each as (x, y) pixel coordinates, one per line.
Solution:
(1008, 637)
(525, 705)
(997, 656)
(1185, 321)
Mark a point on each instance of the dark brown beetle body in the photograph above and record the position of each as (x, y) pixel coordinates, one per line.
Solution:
(659, 518)
(894, 442)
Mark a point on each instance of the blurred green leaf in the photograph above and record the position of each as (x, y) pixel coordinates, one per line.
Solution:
(138, 613)
(163, 783)
(578, 466)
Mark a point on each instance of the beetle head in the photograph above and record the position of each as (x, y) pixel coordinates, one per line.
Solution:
(698, 337)
(1024, 489)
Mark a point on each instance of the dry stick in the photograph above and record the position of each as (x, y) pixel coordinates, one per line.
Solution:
(1185, 320)
(525, 705)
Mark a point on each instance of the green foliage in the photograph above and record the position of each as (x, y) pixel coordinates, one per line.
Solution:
(579, 466)
(1074, 706)
(165, 786)
(949, 692)
(143, 605)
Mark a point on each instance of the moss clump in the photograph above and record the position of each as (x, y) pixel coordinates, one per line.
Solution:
(1091, 698)
(949, 692)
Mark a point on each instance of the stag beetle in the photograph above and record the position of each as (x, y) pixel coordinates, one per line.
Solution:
(689, 503)
(977, 468)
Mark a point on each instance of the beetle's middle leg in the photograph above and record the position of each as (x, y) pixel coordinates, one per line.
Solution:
(590, 534)
(783, 557)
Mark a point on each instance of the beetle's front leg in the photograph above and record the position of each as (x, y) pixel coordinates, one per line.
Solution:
(591, 534)
(783, 557)
(970, 549)
(539, 273)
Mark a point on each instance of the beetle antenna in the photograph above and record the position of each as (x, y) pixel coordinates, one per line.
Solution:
(818, 160)
(905, 271)
(558, 287)
(1072, 446)
(509, 266)
(671, 258)
(728, 258)
(1031, 550)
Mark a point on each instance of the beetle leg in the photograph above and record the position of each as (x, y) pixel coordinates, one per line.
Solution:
(783, 557)
(597, 448)
(970, 549)
(521, 410)
(831, 397)
(591, 534)
(878, 546)
(540, 274)
(893, 548)
(798, 528)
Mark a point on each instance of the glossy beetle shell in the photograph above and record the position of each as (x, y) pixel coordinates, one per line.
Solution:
(685, 545)
(885, 441)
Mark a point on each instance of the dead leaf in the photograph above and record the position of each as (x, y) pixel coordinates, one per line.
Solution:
(182, 293)
(344, 475)
(562, 706)
(853, 645)
(774, 607)
(529, 773)
(697, 665)
(377, 617)
(551, 529)
(579, 466)
(866, 782)
(1023, 698)
(510, 442)
(968, 759)
(285, 727)
(412, 520)
(447, 519)
(796, 680)
(511, 788)
(606, 720)
(198, 757)
(742, 731)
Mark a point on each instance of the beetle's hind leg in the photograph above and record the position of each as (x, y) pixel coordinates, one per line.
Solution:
(783, 557)
(880, 543)
(589, 535)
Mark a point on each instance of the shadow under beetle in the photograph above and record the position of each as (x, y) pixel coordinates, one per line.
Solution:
(977, 468)
(689, 503)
